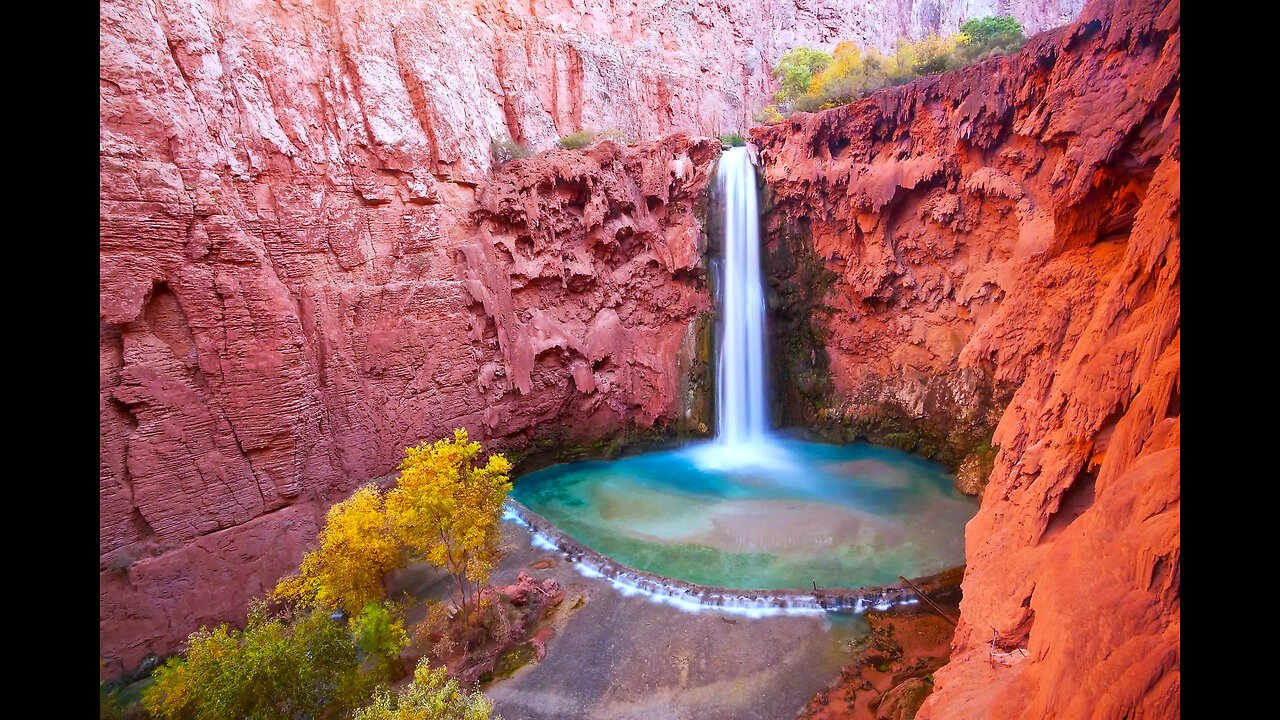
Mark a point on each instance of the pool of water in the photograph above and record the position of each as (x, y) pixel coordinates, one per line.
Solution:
(776, 515)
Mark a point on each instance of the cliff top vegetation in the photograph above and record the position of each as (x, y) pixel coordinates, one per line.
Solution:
(814, 80)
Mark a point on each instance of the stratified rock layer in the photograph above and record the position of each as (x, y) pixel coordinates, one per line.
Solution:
(245, 84)
(1017, 223)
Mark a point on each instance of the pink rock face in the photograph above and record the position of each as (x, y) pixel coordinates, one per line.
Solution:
(269, 343)
(306, 262)
(424, 87)
(1018, 220)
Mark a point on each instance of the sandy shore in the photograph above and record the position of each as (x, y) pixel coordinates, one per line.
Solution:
(621, 657)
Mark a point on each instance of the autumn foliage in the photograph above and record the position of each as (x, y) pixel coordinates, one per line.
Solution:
(309, 661)
(357, 548)
(812, 80)
(446, 509)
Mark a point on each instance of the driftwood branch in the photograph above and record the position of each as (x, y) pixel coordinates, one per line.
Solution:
(932, 604)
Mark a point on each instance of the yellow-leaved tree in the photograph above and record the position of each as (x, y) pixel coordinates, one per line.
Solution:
(447, 509)
(357, 548)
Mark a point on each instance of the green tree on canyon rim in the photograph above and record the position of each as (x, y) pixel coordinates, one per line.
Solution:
(813, 80)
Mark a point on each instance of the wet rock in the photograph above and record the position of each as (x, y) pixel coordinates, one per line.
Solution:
(902, 701)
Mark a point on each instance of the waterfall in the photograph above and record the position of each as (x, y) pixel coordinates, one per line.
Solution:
(742, 403)
(744, 441)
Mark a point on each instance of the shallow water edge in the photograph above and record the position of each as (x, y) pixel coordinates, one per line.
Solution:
(692, 597)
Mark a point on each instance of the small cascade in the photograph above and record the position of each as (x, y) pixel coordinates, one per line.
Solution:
(691, 597)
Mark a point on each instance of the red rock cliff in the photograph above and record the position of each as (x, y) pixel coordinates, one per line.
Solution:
(267, 343)
(1016, 224)
(236, 83)
(305, 264)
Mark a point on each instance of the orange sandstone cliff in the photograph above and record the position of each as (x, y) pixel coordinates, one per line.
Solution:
(998, 251)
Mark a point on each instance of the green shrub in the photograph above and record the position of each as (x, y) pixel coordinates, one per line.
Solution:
(587, 137)
(503, 150)
(379, 635)
(732, 140)
(999, 31)
(430, 696)
(990, 36)
(796, 69)
(578, 140)
(278, 667)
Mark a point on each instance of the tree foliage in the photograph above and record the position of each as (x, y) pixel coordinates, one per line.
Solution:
(274, 669)
(851, 74)
(796, 70)
(429, 697)
(503, 150)
(813, 80)
(931, 55)
(989, 36)
(446, 509)
(379, 635)
(357, 547)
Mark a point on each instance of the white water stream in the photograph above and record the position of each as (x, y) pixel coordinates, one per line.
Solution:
(744, 437)
(742, 405)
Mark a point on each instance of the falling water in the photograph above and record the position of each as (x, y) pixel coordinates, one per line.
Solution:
(742, 405)
(750, 509)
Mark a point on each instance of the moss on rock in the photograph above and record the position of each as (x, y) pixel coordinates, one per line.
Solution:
(797, 286)
(975, 469)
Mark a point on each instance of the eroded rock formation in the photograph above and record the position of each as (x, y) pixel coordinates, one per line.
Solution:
(1015, 224)
(269, 343)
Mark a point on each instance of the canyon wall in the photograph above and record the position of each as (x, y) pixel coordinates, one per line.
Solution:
(269, 340)
(266, 345)
(308, 259)
(432, 83)
(1001, 246)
